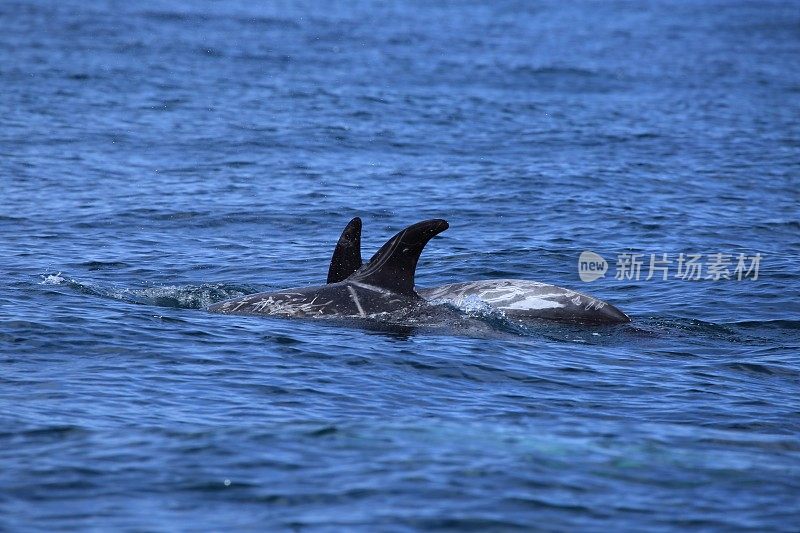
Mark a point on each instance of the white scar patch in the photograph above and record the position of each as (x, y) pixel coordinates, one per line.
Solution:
(508, 294)
(354, 296)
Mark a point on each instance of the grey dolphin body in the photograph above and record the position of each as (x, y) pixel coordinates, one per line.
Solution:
(517, 299)
(522, 299)
(384, 285)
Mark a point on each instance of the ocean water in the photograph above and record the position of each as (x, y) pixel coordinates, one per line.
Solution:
(156, 157)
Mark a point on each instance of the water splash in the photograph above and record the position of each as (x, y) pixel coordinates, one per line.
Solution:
(173, 296)
(52, 279)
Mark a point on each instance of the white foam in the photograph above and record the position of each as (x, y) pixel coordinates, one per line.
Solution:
(53, 279)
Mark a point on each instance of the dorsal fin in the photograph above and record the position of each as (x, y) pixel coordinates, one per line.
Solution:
(394, 265)
(347, 255)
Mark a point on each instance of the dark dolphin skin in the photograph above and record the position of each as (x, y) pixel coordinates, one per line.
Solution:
(347, 255)
(384, 285)
(517, 299)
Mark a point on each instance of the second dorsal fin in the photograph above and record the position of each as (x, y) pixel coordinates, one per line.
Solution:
(394, 265)
(347, 255)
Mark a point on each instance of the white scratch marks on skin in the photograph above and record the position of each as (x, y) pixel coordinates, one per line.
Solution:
(595, 304)
(354, 296)
(287, 304)
(514, 295)
(530, 301)
(372, 288)
(505, 294)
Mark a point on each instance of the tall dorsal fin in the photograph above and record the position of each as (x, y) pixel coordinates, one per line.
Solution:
(394, 265)
(347, 255)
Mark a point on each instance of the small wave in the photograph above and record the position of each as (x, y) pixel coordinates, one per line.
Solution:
(762, 368)
(104, 265)
(530, 70)
(560, 78)
(180, 297)
(174, 16)
(772, 324)
(174, 296)
(14, 220)
(62, 279)
(54, 433)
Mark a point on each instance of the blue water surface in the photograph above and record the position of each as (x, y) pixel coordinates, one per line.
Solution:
(156, 157)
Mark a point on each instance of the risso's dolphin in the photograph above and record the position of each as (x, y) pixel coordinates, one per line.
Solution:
(517, 299)
(384, 285)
